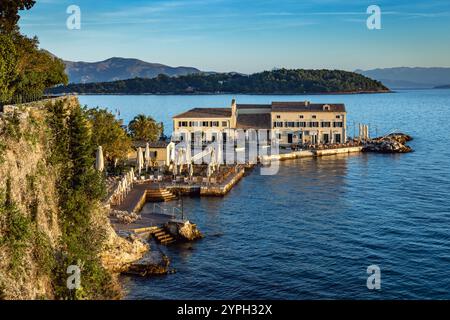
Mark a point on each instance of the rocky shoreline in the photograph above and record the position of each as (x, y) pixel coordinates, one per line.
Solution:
(134, 253)
(392, 143)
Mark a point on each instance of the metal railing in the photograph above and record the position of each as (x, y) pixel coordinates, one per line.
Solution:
(22, 98)
(172, 211)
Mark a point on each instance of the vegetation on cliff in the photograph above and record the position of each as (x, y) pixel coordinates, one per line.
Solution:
(80, 189)
(25, 69)
(280, 81)
(50, 205)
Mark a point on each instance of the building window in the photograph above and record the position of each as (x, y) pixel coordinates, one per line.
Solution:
(326, 124)
(278, 124)
(314, 117)
(195, 124)
(153, 154)
(278, 117)
(224, 124)
(214, 123)
(290, 124)
(301, 116)
(205, 123)
(338, 117)
(182, 123)
(314, 124)
(338, 124)
(302, 124)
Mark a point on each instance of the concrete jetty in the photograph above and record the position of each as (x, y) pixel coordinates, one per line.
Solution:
(309, 154)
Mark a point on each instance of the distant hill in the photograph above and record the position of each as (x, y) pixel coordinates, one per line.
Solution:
(411, 78)
(443, 87)
(119, 69)
(280, 81)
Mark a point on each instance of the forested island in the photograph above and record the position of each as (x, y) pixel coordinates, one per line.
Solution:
(281, 81)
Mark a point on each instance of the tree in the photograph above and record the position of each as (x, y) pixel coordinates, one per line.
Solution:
(8, 73)
(108, 132)
(145, 128)
(37, 69)
(25, 69)
(280, 81)
(9, 13)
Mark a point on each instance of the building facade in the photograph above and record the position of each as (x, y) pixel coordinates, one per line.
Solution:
(290, 122)
(161, 152)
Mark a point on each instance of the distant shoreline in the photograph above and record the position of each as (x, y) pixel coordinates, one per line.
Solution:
(226, 93)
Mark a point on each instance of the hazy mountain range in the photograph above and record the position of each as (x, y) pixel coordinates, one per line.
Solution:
(411, 78)
(120, 69)
(114, 69)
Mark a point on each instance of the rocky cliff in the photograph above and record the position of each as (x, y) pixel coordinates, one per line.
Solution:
(36, 242)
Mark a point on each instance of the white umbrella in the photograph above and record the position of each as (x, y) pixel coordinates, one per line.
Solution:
(140, 160)
(191, 170)
(209, 171)
(100, 163)
(147, 156)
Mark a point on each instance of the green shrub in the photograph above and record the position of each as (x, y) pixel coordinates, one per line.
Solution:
(18, 230)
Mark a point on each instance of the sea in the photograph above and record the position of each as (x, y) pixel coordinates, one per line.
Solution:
(320, 228)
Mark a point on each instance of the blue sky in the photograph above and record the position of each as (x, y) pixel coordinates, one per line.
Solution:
(247, 35)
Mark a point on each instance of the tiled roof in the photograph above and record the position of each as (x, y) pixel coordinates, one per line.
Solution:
(294, 106)
(254, 121)
(157, 144)
(205, 113)
(252, 106)
(305, 106)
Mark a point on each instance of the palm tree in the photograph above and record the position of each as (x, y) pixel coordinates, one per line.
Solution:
(145, 128)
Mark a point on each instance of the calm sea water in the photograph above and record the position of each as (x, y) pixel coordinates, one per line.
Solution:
(311, 231)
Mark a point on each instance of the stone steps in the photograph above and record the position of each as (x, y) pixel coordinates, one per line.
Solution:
(159, 195)
(161, 236)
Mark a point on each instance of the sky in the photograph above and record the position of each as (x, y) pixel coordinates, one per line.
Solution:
(247, 35)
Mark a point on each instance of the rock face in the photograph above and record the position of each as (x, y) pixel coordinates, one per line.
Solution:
(153, 263)
(119, 253)
(184, 231)
(393, 143)
(400, 137)
(125, 217)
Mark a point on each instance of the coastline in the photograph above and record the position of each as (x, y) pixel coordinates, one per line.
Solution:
(225, 93)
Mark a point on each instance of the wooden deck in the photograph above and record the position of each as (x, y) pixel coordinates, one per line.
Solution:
(134, 198)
